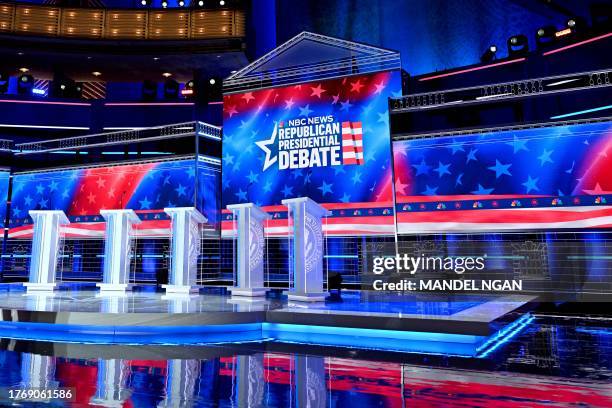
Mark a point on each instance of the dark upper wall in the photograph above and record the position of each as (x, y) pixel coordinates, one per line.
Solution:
(430, 34)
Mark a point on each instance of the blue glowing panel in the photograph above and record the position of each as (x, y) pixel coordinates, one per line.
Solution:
(544, 178)
(328, 140)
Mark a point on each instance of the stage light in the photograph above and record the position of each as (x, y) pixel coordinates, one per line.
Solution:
(164, 4)
(24, 70)
(546, 36)
(214, 90)
(518, 45)
(201, 3)
(189, 90)
(563, 33)
(96, 73)
(489, 54)
(25, 83)
(149, 90)
(222, 3)
(78, 90)
(4, 83)
(171, 89)
(144, 3)
(577, 25)
(181, 3)
(166, 74)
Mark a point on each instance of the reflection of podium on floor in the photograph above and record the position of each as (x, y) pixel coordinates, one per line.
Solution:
(249, 254)
(185, 249)
(117, 249)
(45, 248)
(111, 387)
(307, 234)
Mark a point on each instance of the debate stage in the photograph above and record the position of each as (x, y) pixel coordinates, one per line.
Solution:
(440, 324)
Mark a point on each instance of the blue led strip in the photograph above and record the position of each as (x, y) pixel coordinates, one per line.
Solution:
(504, 335)
(582, 112)
(461, 345)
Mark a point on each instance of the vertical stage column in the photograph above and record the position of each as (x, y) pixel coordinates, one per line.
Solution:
(45, 249)
(307, 249)
(250, 250)
(117, 249)
(185, 249)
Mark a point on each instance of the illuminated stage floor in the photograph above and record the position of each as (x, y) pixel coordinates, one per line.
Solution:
(462, 325)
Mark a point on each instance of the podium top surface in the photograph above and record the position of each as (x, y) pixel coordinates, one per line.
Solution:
(133, 217)
(311, 205)
(62, 216)
(257, 211)
(194, 212)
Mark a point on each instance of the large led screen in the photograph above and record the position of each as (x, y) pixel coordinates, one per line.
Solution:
(543, 178)
(81, 193)
(328, 140)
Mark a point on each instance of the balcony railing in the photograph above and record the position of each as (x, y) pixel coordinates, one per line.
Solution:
(120, 24)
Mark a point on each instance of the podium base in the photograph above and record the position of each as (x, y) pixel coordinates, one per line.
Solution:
(114, 287)
(248, 292)
(40, 287)
(306, 297)
(181, 289)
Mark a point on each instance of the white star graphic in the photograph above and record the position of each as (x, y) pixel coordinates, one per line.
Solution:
(263, 145)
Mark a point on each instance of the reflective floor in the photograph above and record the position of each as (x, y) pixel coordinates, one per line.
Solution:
(80, 298)
(554, 362)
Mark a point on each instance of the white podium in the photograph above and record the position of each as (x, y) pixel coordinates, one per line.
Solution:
(307, 235)
(250, 250)
(185, 249)
(45, 249)
(117, 246)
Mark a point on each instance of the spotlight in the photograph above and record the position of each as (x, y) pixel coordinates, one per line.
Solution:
(489, 54)
(181, 3)
(23, 70)
(4, 83)
(171, 89)
(518, 45)
(214, 90)
(164, 4)
(222, 3)
(78, 90)
(201, 3)
(25, 83)
(166, 74)
(144, 3)
(577, 25)
(546, 35)
(64, 87)
(96, 73)
(149, 90)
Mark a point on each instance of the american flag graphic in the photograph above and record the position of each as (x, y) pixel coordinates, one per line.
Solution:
(542, 178)
(358, 193)
(147, 188)
(352, 143)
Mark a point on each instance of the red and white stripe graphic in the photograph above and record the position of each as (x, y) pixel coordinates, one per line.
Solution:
(352, 143)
